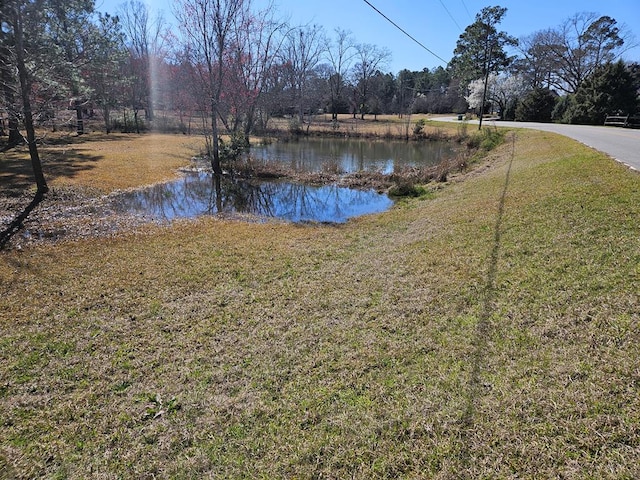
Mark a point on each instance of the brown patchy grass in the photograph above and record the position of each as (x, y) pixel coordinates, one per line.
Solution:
(103, 162)
(489, 332)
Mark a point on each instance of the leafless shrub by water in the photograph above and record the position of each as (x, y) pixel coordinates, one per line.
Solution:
(331, 174)
(331, 166)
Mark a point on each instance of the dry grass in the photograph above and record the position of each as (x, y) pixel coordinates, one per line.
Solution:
(489, 332)
(103, 162)
(384, 126)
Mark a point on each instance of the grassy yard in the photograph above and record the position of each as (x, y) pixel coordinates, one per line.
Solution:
(491, 330)
(102, 162)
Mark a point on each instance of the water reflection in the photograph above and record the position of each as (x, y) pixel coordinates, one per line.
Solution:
(204, 194)
(353, 154)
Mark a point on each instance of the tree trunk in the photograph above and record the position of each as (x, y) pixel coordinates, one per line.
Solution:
(125, 121)
(79, 119)
(14, 131)
(486, 84)
(217, 189)
(6, 79)
(215, 141)
(106, 113)
(135, 120)
(26, 104)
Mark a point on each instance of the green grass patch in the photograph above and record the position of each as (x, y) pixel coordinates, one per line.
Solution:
(491, 331)
(408, 189)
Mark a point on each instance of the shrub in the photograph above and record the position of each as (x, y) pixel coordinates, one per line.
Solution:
(418, 129)
(237, 145)
(295, 127)
(407, 189)
(463, 130)
(487, 139)
(537, 106)
(491, 138)
(560, 108)
(609, 89)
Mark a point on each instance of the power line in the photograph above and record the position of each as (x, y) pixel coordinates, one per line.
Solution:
(450, 16)
(403, 31)
(465, 7)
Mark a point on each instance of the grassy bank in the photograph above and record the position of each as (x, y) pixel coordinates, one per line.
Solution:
(488, 332)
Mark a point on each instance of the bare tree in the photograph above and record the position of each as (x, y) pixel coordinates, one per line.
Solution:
(340, 54)
(145, 37)
(276, 95)
(208, 30)
(572, 51)
(302, 52)
(536, 63)
(370, 59)
(258, 39)
(182, 90)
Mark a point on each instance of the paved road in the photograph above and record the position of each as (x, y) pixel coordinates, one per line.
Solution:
(623, 144)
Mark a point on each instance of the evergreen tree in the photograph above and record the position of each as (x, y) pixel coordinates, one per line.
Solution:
(609, 90)
(107, 56)
(537, 106)
(480, 50)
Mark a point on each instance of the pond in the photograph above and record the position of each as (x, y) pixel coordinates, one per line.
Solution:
(349, 155)
(201, 193)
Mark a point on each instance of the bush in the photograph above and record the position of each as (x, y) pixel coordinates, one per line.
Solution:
(560, 108)
(537, 106)
(418, 129)
(295, 127)
(463, 130)
(510, 112)
(487, 139)
(609, 89)
(127, 124)
(491, 139)
(237, 145)
(407, 189)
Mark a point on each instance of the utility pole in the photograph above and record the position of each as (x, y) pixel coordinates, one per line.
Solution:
(486, 84)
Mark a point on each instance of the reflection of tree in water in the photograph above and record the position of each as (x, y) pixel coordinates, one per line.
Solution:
(186, 197)
(204, 194)
(293, 201)
(354, 154)
(299, 202)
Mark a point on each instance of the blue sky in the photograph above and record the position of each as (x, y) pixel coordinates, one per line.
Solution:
(436, 24)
